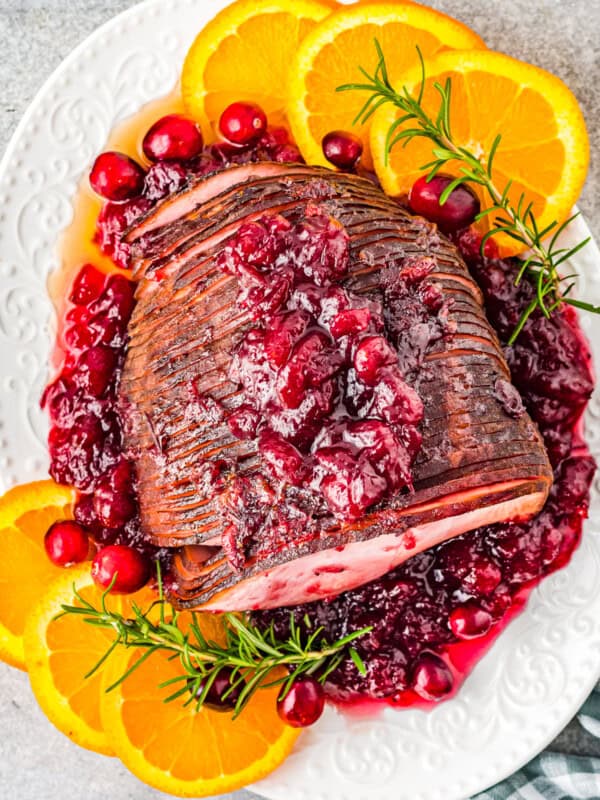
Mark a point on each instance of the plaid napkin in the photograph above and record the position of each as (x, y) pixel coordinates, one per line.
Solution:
(556, 776)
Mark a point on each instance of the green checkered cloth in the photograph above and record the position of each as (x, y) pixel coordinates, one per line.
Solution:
(556, 776)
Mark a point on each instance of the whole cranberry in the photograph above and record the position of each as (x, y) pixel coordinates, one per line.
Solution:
(432, 678)
(470, 621)
(117, 177)
(173, 137)
(459, 210)
(221, 686)
(124, 565)
(66, 543)
(342, 149)
(243, 123)
(303, 704)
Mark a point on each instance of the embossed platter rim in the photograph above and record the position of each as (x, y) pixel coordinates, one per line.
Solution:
(540, 669)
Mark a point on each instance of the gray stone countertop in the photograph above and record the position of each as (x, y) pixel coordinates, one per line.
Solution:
(36, 762)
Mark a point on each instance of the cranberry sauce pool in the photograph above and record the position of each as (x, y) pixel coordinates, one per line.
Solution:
(433, 617)
(332, 416)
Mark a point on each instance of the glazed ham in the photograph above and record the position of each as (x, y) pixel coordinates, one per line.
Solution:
(312, 392)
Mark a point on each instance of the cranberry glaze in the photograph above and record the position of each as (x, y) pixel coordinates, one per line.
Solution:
(303, 704)
(332, 415)
(324, 396)
(243, 123)
(342, 149)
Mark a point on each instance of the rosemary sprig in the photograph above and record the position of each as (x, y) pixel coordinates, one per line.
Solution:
(541, 265)
(250, 652)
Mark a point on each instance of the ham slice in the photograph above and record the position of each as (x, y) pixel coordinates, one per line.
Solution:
(481, 459)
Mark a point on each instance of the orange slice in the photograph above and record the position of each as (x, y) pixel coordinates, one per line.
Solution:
(544, 148)
(60, 652)
(26, 513)
(244, 53)
(182, 751)
(333, 52)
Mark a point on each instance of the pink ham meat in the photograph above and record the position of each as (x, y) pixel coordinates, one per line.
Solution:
(480, 462)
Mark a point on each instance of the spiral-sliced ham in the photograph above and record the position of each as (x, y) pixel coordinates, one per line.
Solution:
(481, 459)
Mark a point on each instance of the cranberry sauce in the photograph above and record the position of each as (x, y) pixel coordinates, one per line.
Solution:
(324, 395)
(435, 615)
(85, 430)
(549, 362)
(166, 177)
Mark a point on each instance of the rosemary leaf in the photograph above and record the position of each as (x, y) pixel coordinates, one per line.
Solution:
(254, 657)
(358, 662)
